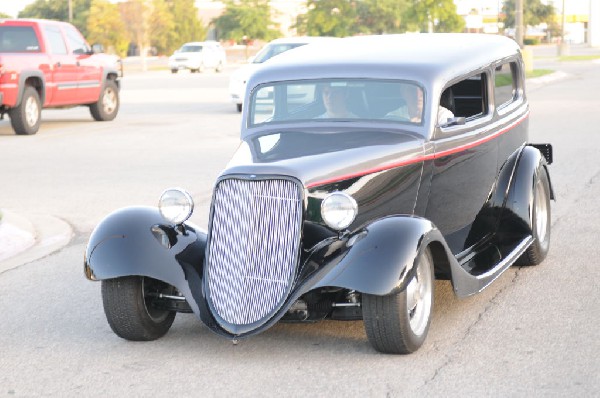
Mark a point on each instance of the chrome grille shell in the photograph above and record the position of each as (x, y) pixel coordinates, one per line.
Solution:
(253, 249)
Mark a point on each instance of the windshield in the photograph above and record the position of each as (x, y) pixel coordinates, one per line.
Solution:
(335, 99)
(191, 49)
(272, 50)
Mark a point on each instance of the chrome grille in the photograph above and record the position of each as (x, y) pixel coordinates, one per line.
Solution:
(253, 248)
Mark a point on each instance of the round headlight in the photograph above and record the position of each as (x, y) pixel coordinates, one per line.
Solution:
(338, 210)
(175, 205)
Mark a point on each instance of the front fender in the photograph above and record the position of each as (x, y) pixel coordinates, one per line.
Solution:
(138, 241)
(381, 257)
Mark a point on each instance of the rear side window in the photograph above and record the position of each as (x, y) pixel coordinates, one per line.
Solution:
(467, 98)
(18, 39)
(55, 40)
(505, 84)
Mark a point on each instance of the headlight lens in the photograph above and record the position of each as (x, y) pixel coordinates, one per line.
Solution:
(175, 205)
(338, 210)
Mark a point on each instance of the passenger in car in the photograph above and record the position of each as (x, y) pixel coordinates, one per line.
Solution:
(335, 99)
(412, 108)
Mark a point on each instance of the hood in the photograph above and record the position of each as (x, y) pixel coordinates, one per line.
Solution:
(324, 156)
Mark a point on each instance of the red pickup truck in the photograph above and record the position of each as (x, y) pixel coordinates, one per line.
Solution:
(48, 64)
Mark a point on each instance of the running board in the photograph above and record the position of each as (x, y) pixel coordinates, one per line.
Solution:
(467, 283)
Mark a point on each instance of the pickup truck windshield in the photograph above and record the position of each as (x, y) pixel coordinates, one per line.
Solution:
(335, 99)
(15, 39)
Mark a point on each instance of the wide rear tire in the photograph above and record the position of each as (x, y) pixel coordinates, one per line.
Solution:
(536, 253)
(130, 311)
(25, 118)
(398, 323)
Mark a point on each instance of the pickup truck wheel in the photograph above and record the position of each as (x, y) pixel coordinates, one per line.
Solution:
(130, 310)
(536, 253)
(398, 323)
(25, 118)
(238, 107)
(174, 70)
(108, 104)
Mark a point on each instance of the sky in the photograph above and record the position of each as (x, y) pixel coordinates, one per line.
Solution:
(12, 7)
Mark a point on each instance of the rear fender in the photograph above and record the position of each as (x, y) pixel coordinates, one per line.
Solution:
(518, 208)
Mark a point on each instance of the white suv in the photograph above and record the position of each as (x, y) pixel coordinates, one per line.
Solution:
(197, 56)
(237, 81)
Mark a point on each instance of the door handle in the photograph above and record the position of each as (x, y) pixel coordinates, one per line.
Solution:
(57, 65)
(77, 63)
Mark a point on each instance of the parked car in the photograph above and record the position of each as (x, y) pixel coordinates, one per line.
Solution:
(347, 211)
(197, 56)
(48, 64)
(238, 79)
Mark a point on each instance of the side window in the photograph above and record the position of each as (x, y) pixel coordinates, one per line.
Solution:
(76, 43)
(18, 39)
(55, 40)
(505, 84)
(467, 98)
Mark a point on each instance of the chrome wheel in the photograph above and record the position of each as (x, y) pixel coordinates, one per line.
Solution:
(32, 111)
(419, 297)
(541, 211)
(109, 100)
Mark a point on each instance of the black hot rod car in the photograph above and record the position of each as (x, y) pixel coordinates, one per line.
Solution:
(368, 167)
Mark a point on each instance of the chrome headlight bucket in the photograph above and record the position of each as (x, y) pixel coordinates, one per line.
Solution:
(175, 205)
(338, 210)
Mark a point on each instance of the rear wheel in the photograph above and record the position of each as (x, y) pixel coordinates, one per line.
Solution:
(536, 253)
(130, 305)
(174, 70)
(398, 323)
(107, 106)
(25, 118)
(238, 107)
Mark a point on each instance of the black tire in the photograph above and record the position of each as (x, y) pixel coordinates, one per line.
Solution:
(397, 323)
(238, 107)
(193, 70)
(536, 253)
(26, 117)
(107, 106)
(129, 308)
(174, 70)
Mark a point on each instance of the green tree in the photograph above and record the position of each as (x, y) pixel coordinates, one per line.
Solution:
(336, 18)
(246, 18)
(534, 13)
(3, 16)
(433, 16)
(381, 16)
(188, 26)
(105, 26)
(162, 27)
(59, 11)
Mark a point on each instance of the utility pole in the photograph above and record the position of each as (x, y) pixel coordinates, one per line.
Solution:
(70, 11)
(519, 23)
(563, 48)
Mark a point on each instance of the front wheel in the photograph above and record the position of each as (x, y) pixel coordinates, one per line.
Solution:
(107, 106)
(398, 323)
(131, 308)
(25, 118)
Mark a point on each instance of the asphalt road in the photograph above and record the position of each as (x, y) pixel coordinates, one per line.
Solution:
(534, 332)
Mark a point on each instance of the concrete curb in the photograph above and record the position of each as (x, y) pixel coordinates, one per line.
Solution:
(26, 239)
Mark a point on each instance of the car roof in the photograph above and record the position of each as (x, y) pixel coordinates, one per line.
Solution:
(301, 39)
(431, 58)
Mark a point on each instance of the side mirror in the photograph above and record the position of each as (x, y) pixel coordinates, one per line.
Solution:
(97, 48)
